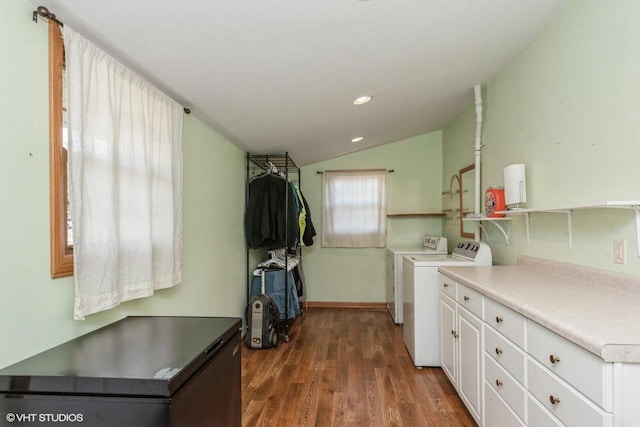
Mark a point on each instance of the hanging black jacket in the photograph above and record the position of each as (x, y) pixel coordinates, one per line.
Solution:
(268, 219)
(309, 231)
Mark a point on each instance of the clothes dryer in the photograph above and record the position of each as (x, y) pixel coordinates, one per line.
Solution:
(431, 245)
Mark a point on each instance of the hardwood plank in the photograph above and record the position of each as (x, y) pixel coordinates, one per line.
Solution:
(345, 367)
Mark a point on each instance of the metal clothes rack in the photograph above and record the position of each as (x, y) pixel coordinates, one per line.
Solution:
(262, 163)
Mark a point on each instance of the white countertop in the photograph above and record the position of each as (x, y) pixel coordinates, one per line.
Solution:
(596, 309)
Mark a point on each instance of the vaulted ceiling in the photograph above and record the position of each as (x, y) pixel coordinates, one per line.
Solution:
(282, 75)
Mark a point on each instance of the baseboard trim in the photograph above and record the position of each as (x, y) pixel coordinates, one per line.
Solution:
(341, 304)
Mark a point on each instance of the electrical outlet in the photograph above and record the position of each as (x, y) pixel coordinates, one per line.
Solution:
(620, 251)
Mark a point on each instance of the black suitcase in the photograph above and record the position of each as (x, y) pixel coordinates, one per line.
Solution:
(262, 317)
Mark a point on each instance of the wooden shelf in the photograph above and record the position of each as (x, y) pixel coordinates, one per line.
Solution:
(416, 215)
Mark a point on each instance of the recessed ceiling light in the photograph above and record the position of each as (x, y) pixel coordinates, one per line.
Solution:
(357, 139)
(362, 100)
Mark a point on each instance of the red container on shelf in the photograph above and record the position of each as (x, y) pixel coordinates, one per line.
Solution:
(494, 202)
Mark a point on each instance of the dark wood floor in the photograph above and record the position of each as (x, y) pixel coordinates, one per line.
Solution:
(345, 367)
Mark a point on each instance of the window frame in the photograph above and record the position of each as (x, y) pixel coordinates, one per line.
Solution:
(61, 252)
(335, 234)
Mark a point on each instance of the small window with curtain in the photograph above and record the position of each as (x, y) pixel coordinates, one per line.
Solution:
(354, 208)
(124, 139)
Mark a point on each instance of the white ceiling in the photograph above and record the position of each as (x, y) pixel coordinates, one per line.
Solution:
(275, 76)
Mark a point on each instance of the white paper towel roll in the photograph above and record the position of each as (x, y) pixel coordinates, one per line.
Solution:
(515, 184)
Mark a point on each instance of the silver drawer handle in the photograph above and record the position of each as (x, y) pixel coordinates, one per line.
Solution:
(498, 350)
(498, 383)
(466, 298)
(498, 319)
(554, 400)
(554, 359)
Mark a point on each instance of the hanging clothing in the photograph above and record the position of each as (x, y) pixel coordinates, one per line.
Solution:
(272, 218)
(275, 282)
(309, 230)
(302, 213)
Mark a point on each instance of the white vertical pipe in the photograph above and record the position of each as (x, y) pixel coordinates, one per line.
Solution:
(477, 91)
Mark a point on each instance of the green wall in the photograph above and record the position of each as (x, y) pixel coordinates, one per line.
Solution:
(358, 275)
(36, 312)
(567, 106)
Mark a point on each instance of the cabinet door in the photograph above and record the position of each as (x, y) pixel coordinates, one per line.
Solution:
(470, 361)
(448, 337)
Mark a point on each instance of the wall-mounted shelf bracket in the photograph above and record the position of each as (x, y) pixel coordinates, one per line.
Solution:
(495, 222)
(637, 209)
(569, 214)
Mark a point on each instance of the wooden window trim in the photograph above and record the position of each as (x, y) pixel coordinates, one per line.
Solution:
(61, 253)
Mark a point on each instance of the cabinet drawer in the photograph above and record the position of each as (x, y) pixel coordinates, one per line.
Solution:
(506, 321)
(448, 286)
(505, 385)
(585, 371)
(561, 400)
(470, 299)
(497, 412)
(506, 353)
(539, 416)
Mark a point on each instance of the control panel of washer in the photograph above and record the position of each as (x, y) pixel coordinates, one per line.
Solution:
(472, 250)
(435, 243)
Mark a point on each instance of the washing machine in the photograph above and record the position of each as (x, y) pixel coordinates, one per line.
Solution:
(421, 296)
(431, 245)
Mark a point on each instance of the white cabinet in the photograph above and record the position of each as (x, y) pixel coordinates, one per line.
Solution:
(528, 366)
(510, 357)
(539, 416)
(505, 363)
(531, 375)
(497, 413)
(563, 401)
(470, 361)
(505, 321)
(506, 386)
(448, 337)
(572, 384)
(570, 362)
(461, 342)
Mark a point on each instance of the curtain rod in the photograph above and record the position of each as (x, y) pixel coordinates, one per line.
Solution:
(44, 12)
(356, 170)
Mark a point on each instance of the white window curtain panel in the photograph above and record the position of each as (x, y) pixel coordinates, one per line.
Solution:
(354, 208)
(125, 175)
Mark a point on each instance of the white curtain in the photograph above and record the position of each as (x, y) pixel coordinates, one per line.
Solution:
(125, 173)
(354, 208)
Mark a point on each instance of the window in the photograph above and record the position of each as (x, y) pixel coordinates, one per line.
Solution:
(354, 208)
(61, 240)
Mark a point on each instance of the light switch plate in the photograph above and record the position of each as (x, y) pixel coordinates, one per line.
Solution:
(620, 251)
